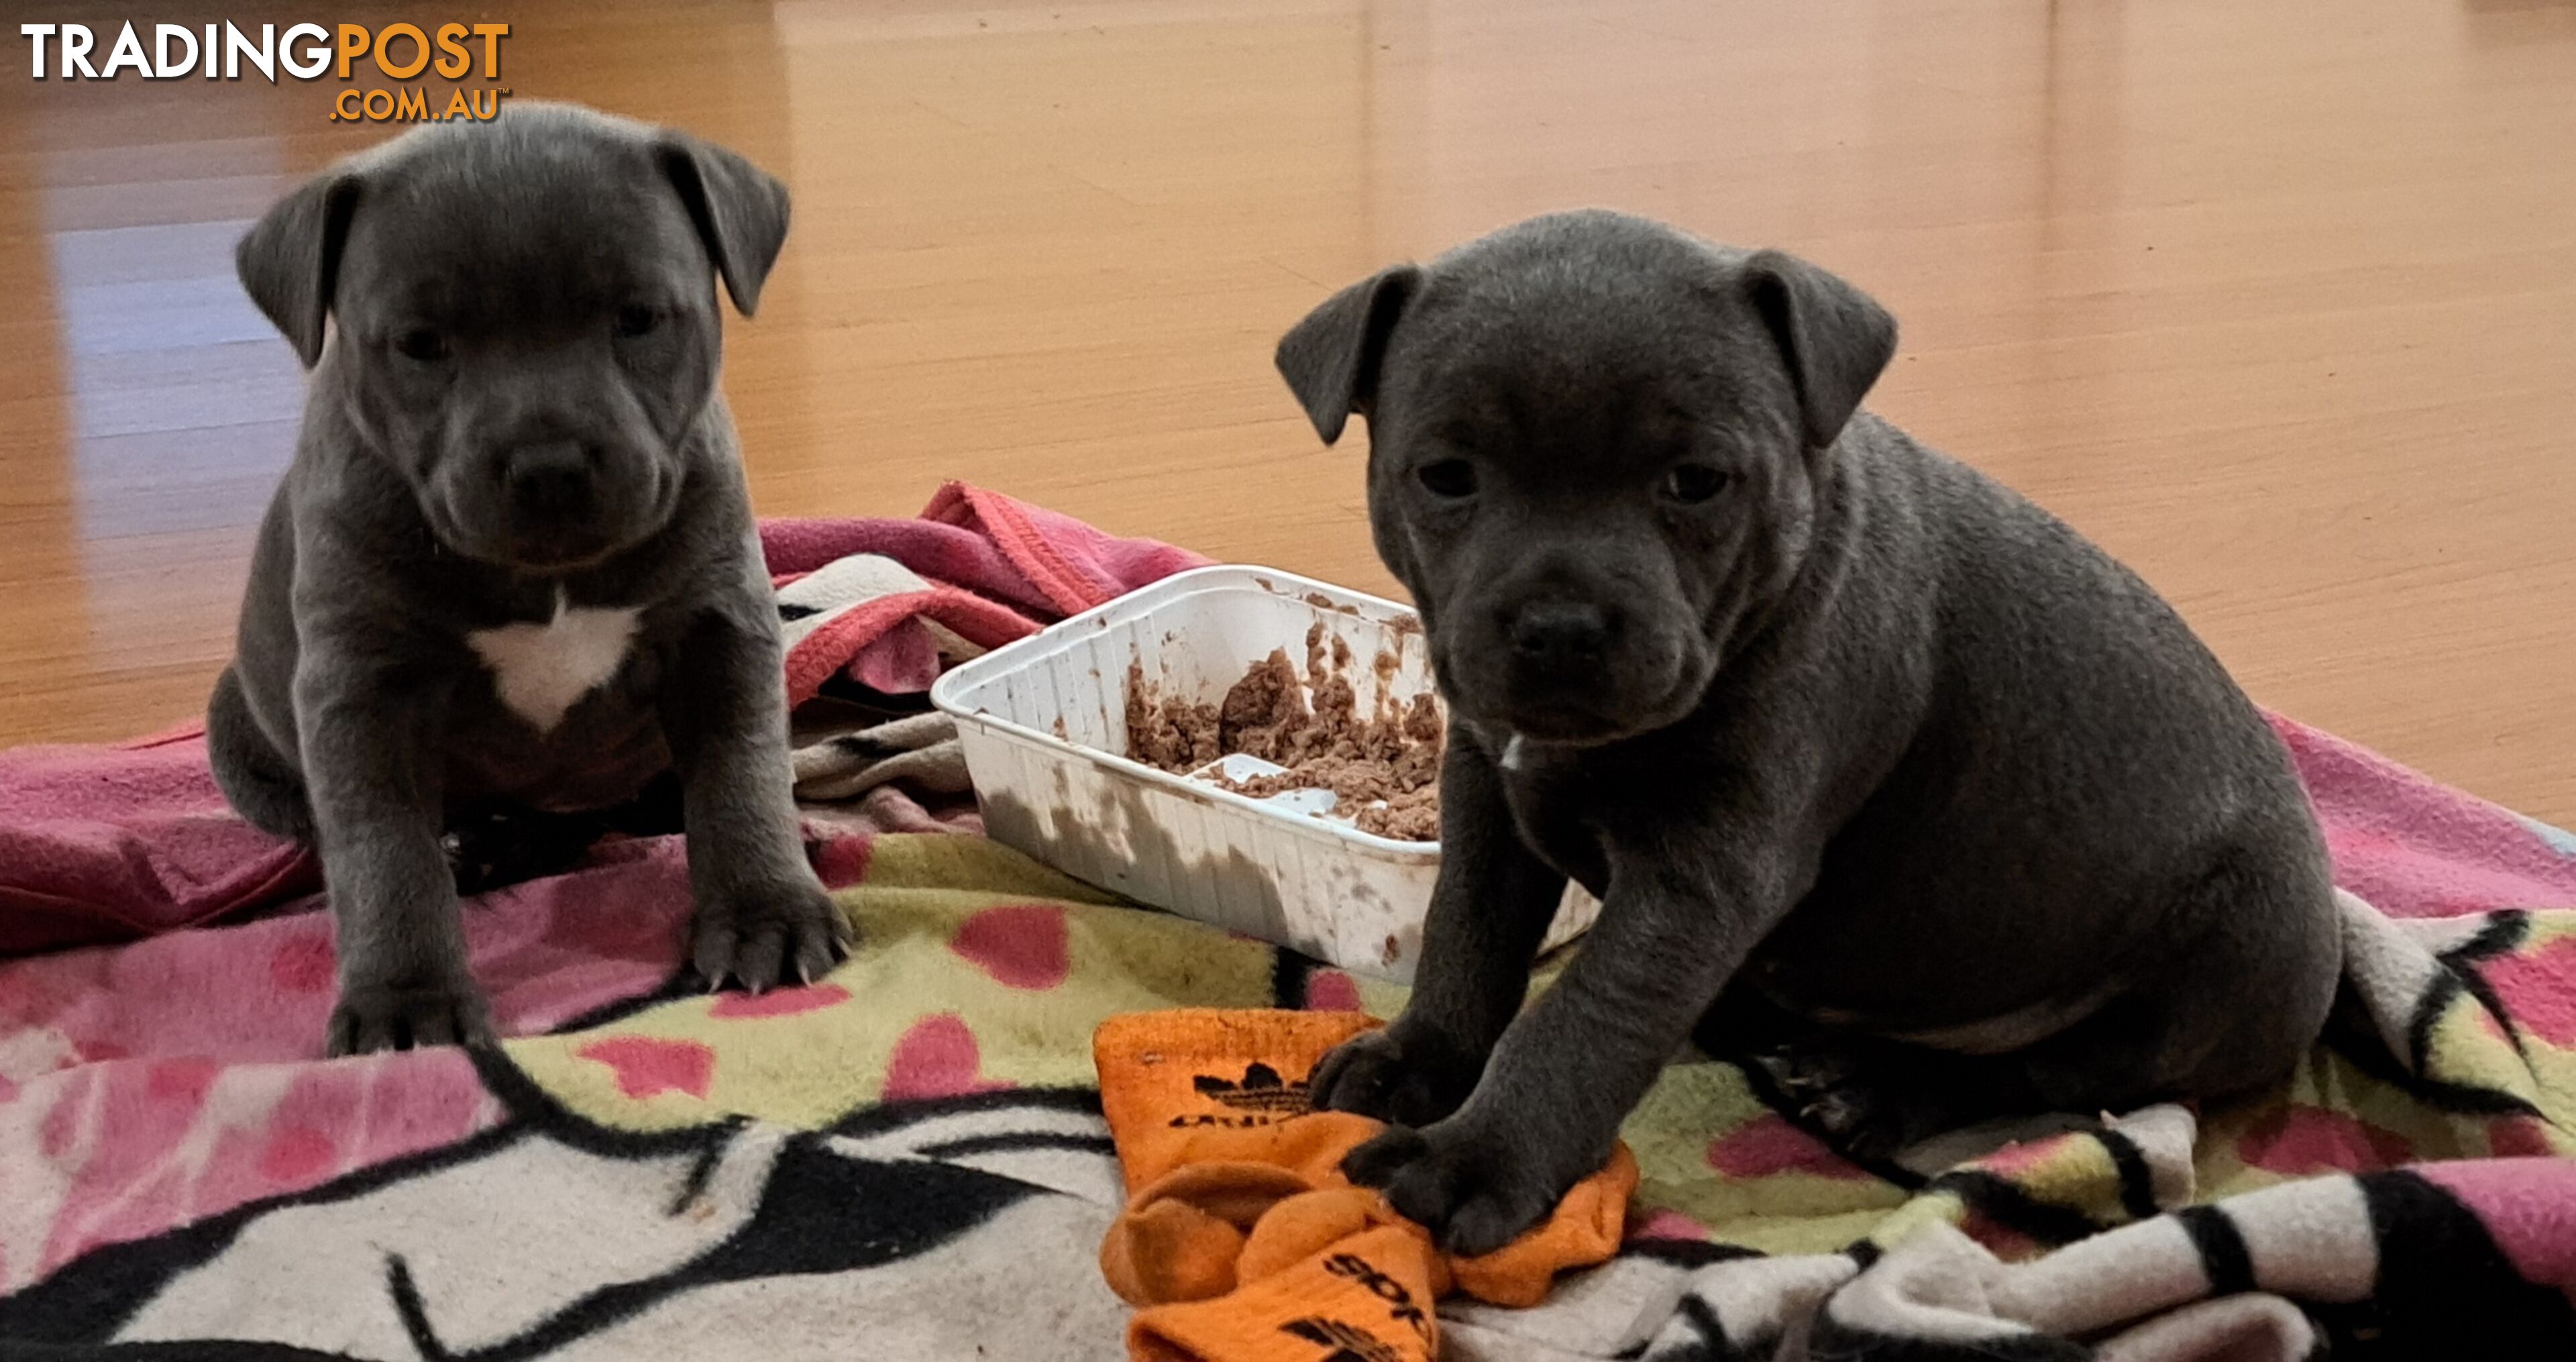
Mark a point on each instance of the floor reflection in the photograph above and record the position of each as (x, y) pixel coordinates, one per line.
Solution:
(2276, 309)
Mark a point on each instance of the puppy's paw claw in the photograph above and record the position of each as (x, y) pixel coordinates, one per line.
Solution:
(1844, 1099)
(1473, 1193)
(1375, 1163)
(1800, 1074)
(370, 1018)
(1383, 1073)
(1840, 1114)
(764, 939)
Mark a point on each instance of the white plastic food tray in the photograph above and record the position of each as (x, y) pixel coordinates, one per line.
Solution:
(1044, 724)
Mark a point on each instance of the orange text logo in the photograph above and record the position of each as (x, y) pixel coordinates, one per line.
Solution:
(347, 52)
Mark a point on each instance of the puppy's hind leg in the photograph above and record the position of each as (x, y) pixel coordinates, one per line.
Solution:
(256, 781)
(1872, 1099)
(2231, 1010)
(494, 846)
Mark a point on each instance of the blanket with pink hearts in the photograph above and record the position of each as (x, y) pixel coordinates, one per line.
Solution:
(906, 1160)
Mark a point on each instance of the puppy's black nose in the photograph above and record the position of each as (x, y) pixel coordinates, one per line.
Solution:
(1561, 634)
(551, 481)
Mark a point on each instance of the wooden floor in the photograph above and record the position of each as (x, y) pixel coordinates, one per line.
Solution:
(2277, 301)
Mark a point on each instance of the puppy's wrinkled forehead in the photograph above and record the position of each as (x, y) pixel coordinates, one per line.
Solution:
(500, 231)
(1637, 345)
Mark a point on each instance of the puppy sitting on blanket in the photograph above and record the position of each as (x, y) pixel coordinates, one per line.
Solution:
(513, 560)
(1882, 774)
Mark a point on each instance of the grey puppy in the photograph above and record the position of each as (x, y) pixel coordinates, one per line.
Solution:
(514, 559)
(1880, 771)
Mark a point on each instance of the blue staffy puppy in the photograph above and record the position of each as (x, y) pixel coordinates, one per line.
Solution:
(514, 558)
(1877, 769)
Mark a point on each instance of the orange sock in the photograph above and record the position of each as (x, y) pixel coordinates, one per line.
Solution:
(1367, 1297)
(1205, 1086)
(1585, 1228)
(1243, 1241)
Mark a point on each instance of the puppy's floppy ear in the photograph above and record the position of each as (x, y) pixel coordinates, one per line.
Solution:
(740, 211)
(1835, 338)
(289, 260)
(1331, 358)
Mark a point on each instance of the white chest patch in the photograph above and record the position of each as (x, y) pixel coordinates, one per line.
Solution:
(542, 670)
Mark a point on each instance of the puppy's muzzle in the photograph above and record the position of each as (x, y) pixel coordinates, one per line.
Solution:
(1557, 641)
(1560, 657)
(552, 494)
(554, 483)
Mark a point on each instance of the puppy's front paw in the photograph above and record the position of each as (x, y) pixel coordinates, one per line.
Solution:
(372, 1017)
(783, 934)
(1474, 1191)
(1394, 1075)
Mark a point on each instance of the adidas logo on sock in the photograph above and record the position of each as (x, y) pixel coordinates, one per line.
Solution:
(1260, 1089)
(1349, 1342)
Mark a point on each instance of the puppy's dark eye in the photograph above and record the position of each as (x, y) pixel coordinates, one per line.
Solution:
(422, 344)
(1450, 478)
(1693, 483)
(637, 320)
